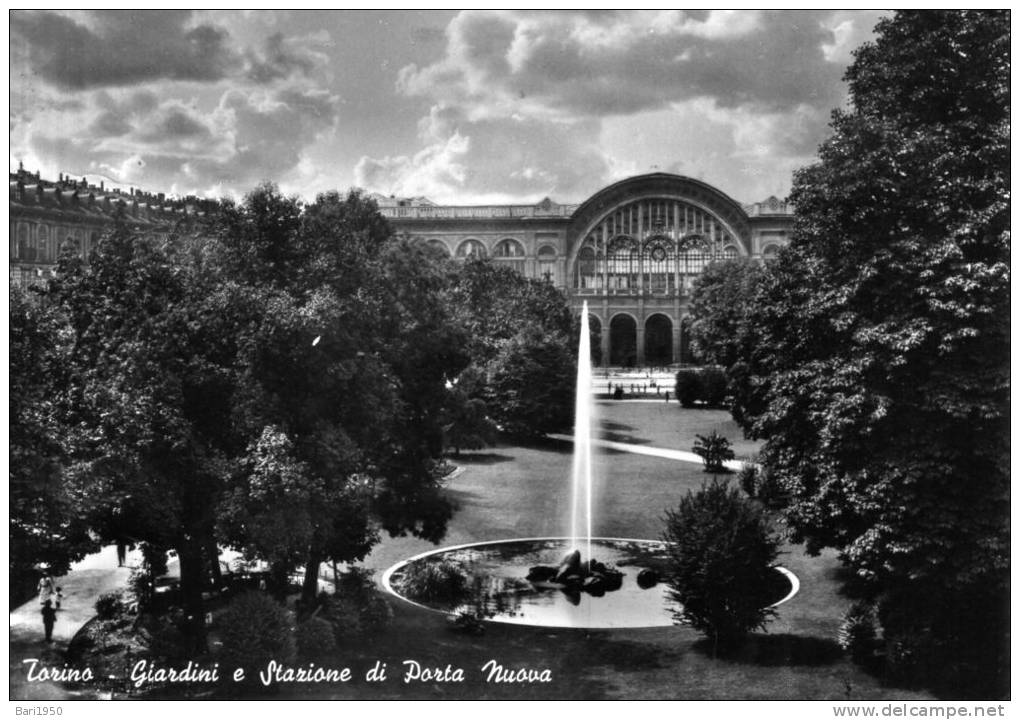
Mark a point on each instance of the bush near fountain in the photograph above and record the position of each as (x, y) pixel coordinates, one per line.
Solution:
(723, 553)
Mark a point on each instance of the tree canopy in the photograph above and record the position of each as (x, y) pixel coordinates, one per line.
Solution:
(522, 339)
(880, 377)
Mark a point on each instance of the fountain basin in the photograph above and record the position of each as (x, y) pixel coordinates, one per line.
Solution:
(498, 591)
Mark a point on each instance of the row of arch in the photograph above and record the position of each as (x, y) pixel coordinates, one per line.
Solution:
(41, 243)
(505, 249)
(658, 341)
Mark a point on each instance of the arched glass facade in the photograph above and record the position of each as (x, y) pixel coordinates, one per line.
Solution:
(650, 247)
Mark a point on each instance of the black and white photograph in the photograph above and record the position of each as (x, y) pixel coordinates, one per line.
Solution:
(510, 355)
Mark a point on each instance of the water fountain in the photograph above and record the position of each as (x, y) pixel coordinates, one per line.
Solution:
(541, 581)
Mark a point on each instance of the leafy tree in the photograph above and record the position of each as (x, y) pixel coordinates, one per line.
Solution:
(48, 514)
(688, 387)
(522, 337)
(496, 302)
(466, 422)
(531, 390)
(714, 450)
(721, 556)
(881, 377)
(425, 345)
(723, 300)
(342, 374)
(146, 397)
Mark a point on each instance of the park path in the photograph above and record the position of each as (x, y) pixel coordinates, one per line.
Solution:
(680, 455)
(88, 579)
(94, 575)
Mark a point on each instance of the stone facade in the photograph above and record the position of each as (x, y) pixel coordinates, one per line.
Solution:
(631, 251)
(48, 216)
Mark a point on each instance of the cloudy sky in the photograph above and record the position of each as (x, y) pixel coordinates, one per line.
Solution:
(462, 107)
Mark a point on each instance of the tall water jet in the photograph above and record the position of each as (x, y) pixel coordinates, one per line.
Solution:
(580, 522)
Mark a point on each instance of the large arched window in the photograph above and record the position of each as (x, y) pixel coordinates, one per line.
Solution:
(471, 249)
(438, 245)
(511, 253)
(508, 248)
(651, 246)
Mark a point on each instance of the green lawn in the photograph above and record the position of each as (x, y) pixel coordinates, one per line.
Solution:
(511, 491)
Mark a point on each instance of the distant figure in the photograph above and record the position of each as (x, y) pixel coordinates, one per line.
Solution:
(49, 617)
(121, 552)
(60, 596)
(667, 396)
(45, 589)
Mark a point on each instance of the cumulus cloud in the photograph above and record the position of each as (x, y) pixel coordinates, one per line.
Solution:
(491, 160)
(562, 102)
(137, 138)
(283, 57)
(568, 65)
(119, 47)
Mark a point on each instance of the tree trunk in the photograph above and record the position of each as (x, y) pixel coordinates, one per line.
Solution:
(310, 588)
(213, 556)
(192, 585)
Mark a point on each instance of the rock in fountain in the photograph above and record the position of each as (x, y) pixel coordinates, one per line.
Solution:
(594, 577)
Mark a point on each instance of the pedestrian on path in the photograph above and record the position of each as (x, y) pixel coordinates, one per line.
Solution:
(49, 617)
(60, 596)
(121, 552)
(45, 589)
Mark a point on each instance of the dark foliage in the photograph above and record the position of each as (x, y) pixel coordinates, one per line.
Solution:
(880, 377)
(721, 555)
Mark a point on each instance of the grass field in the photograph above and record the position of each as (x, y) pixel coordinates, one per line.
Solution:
(514, 491)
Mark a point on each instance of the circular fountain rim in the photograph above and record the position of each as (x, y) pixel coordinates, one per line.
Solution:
(388, 574)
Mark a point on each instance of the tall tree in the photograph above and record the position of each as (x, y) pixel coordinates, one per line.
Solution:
(881, 378)
(48, 514)
(523, 339)
(723, 299)
(147, 397)
(339, 375)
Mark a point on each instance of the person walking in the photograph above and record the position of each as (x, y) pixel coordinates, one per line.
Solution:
(45, 589)
(49, 617)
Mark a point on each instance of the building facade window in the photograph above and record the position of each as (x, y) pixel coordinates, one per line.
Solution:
(650, 247)
(508, 249)
(471, 249)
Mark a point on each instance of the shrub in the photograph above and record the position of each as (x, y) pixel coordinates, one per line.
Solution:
(255, 629)
(748, 479)
(110, 605)
(143, 589)
(315, 639)
(166, 640)
(713, 386)
(721, 553)
(714, 450)
(466, 622)
(857, 631)
(688, 387)
(442, 581)
(769, 491)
